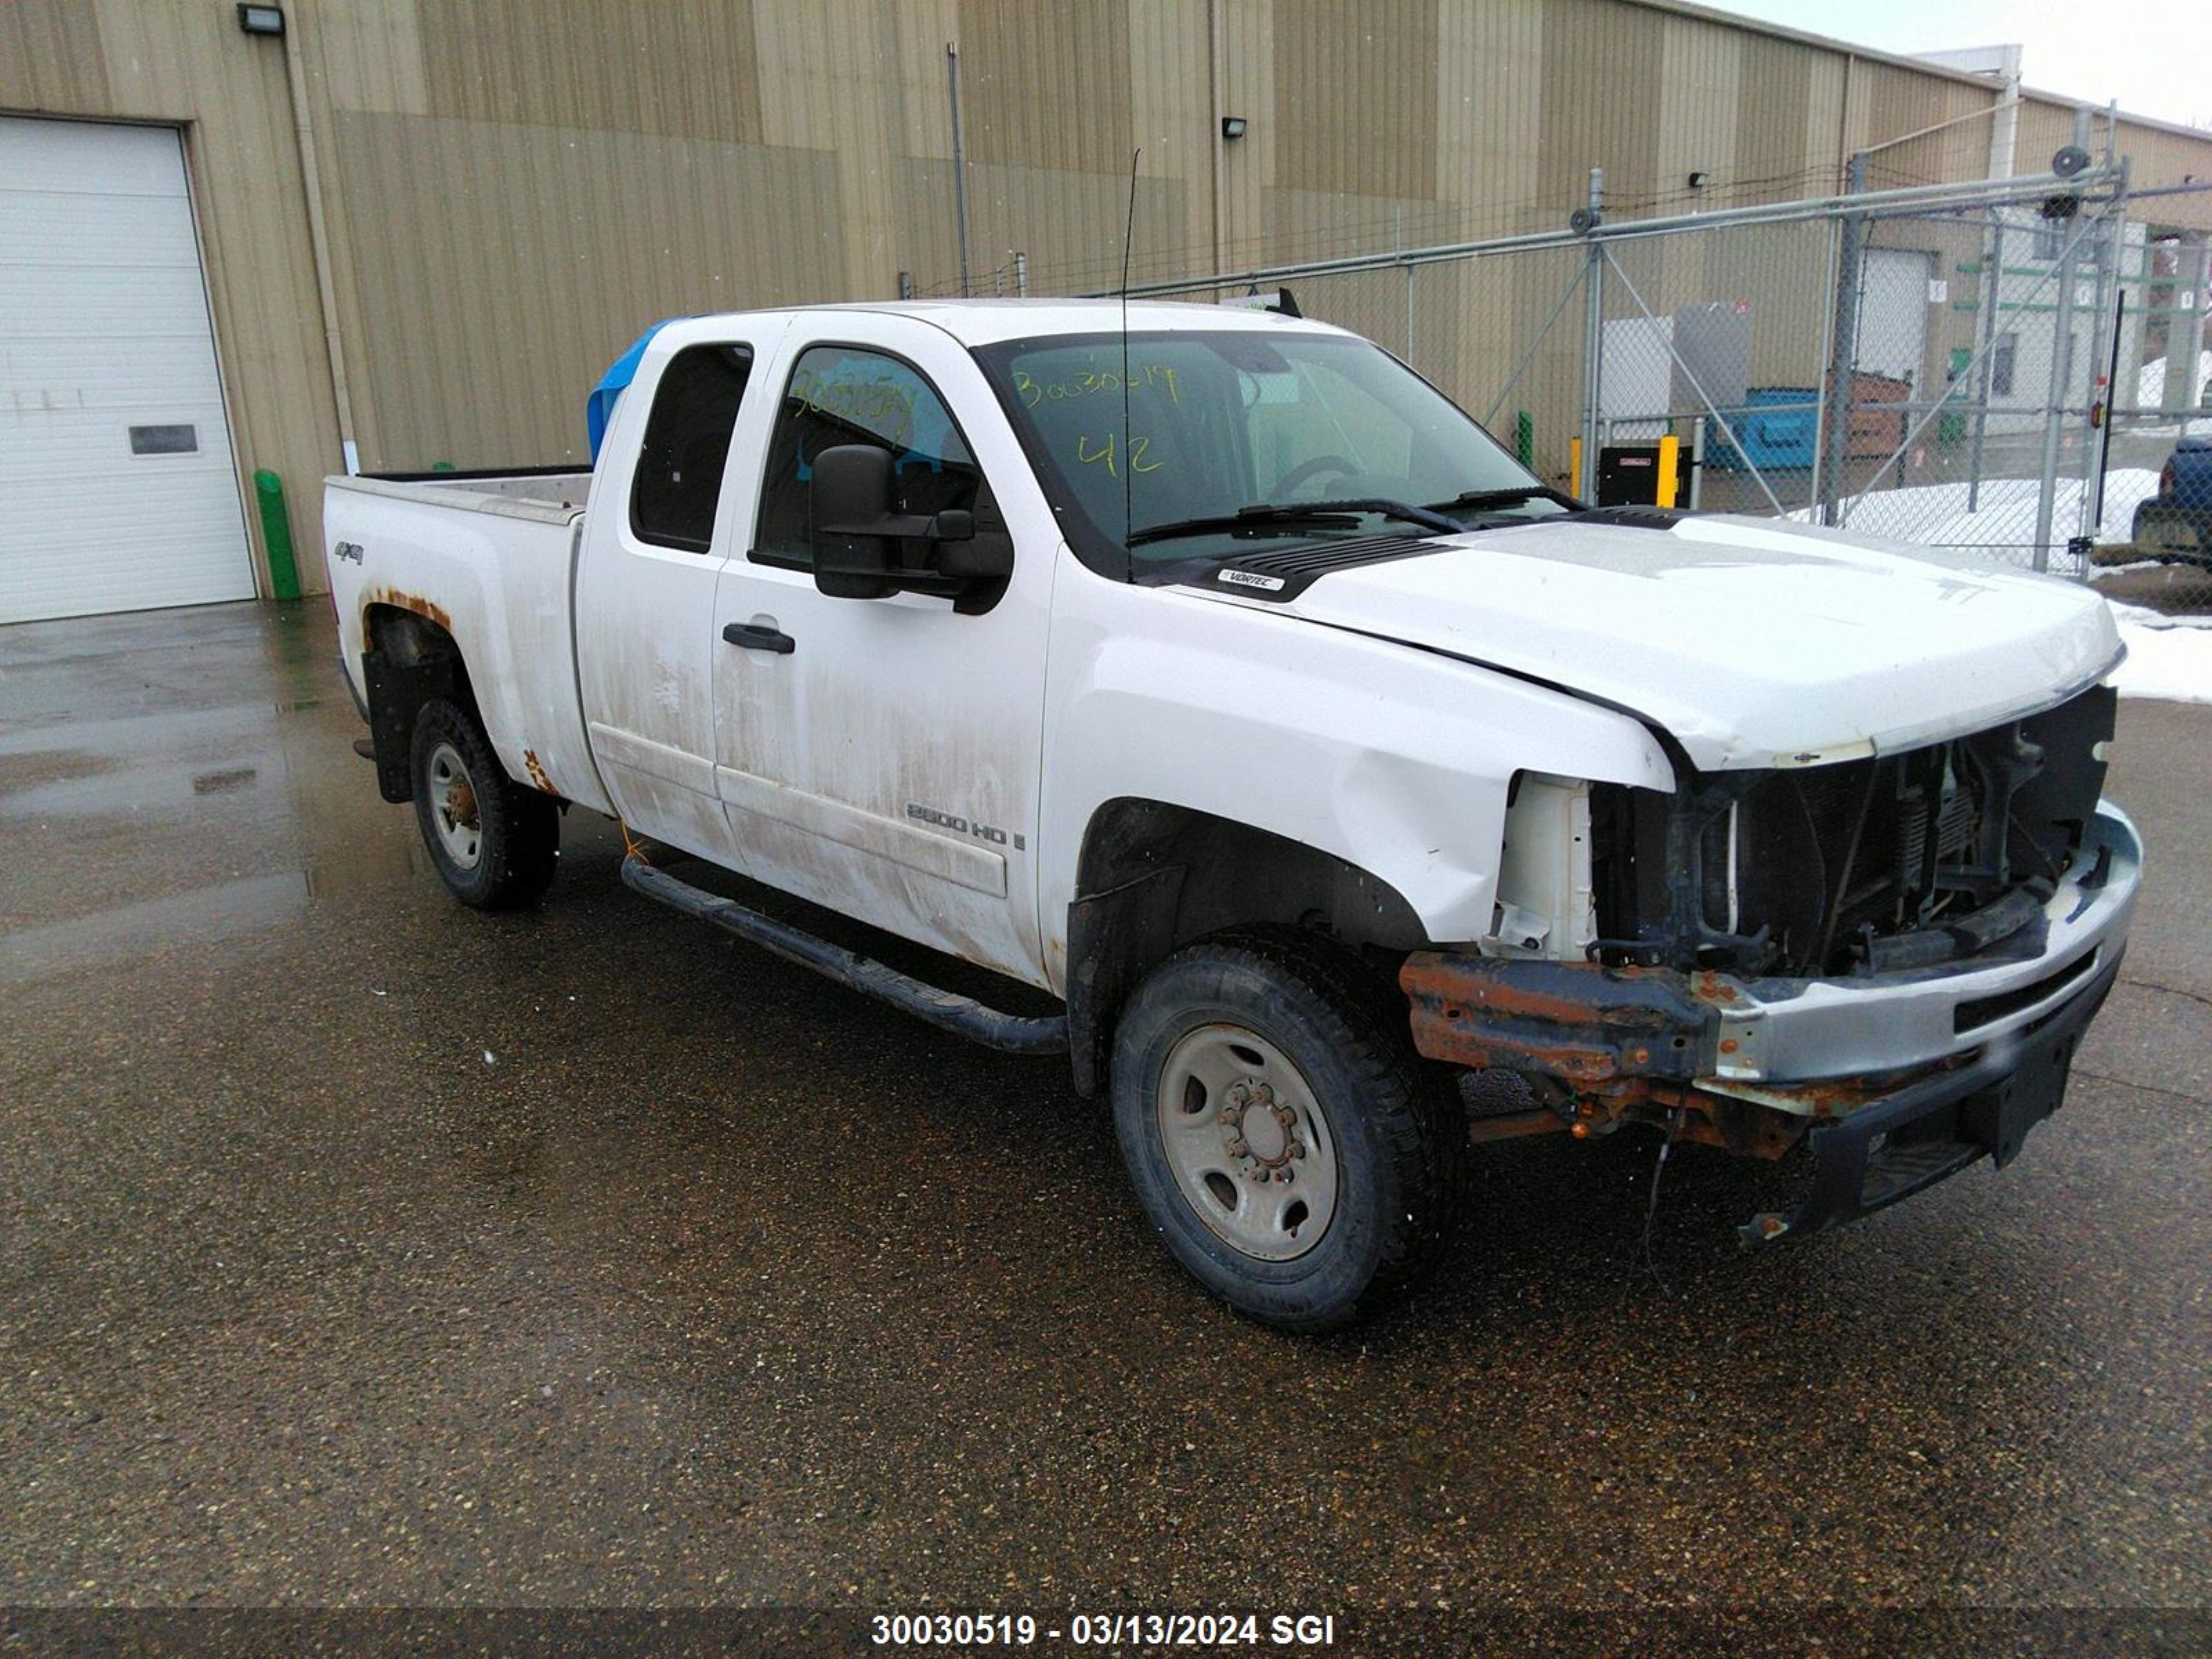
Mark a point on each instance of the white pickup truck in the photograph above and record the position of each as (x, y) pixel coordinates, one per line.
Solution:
(1212, 672)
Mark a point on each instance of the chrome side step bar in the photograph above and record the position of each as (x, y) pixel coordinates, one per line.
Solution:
(961, 1016)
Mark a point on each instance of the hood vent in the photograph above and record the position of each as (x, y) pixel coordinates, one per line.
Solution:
(1633, 518)
(1285, 572)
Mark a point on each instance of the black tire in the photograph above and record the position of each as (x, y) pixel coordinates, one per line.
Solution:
(1397, 1132)
(516, 838)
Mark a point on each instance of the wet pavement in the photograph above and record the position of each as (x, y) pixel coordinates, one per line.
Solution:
(357, 1249)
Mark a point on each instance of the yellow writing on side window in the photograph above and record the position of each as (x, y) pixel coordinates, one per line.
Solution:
(1151, 377)
(1106, 453)
(881, 405)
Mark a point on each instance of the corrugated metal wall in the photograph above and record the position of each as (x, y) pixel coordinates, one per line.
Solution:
(514, 189)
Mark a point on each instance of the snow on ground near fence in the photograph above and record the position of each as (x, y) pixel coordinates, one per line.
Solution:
(2150, 383)
(2168, 657)
(1935, 515)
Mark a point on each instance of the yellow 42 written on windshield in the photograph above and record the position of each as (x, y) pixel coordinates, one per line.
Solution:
(1106, 453)
(1110, 452)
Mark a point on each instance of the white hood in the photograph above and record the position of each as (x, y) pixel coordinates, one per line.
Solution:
(1754, 643)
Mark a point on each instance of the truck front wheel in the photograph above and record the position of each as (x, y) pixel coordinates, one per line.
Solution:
(1283, 1137)
(494, 842)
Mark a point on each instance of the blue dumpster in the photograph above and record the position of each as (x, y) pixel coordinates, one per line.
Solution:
(1778, 427)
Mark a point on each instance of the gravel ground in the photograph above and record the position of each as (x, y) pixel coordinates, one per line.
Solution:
(359, 1251)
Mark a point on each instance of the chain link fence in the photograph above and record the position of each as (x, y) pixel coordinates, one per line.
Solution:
(2001, 370)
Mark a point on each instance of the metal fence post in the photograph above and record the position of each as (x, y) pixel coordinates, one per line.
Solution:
(1991, 326)
(2192, 395)
(1593, 339)
(1410, 271)
(1843, 357)
(2110, 253)
(2062, 377)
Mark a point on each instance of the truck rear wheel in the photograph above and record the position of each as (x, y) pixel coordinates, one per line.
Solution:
(494, 842)
(1283, 1139)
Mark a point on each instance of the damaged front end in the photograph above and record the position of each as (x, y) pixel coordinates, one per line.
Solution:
(1890, 958)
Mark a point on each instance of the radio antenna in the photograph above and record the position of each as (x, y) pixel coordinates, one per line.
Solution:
(1128, 473)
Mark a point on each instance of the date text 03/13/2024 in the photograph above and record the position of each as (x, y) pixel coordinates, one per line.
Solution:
(1152, 1630)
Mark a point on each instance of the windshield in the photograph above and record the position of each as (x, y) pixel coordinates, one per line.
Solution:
(1239, 438)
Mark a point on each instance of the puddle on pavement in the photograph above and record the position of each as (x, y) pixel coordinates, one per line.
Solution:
(207, 747)
(35, 768)
(131, 932)
(118, 790)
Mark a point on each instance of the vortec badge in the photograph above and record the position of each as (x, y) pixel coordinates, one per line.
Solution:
(1251, 578)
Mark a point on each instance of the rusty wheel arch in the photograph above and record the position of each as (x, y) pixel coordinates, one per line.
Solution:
(1153, 876)
(411, 657)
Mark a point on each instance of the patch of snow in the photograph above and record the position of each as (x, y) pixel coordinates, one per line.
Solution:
(2168, 657)
(2139, 616)
(2003, 527)
(2150, 383)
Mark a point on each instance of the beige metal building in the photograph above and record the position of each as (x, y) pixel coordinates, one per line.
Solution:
(425, 225)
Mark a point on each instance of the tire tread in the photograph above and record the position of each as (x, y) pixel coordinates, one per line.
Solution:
(1417, 1119)
(522, 827)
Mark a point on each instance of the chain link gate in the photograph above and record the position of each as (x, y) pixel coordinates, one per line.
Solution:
(1997, 370)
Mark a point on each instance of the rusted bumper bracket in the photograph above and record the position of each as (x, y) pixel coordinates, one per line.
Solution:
(1900, 1144)
(1629, 1043)
(1609, 1031)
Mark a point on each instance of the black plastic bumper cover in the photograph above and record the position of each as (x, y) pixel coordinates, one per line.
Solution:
(1936, 1127)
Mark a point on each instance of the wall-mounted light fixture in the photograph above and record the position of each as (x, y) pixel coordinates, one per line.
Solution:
(261, 20)
(1698, 180)
(1232, 126)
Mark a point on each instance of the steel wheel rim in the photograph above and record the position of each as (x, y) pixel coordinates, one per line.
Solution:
(1248, 1143)
(454, 813)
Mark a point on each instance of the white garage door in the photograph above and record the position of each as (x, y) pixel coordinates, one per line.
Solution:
(1894, 320)
(116, 491)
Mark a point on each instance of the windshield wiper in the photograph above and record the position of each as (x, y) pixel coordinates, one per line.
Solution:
(1266, 519)
(1490, 500)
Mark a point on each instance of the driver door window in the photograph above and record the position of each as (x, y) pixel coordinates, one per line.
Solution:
(850, 395)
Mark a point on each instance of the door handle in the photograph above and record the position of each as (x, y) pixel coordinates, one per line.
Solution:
(754, 637)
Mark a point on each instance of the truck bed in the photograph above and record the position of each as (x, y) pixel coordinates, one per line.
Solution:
(490, 559)
(548, 495)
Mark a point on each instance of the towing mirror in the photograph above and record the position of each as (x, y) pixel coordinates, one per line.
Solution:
(856, 538)
(852, 528)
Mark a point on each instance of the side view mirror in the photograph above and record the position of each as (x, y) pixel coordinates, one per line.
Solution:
(856, 537)
(851, 503)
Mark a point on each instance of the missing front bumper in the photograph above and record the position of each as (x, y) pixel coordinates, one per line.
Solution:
(1624, 1044)
(1903, 1143)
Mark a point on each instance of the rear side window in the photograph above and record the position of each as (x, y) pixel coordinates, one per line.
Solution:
(687, 445)
(850, 395)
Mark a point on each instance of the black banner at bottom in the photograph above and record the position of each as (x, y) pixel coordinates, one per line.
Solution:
(1768, 1632)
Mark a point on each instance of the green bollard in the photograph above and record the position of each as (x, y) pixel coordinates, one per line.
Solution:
(1524, 440)
(277, 535)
